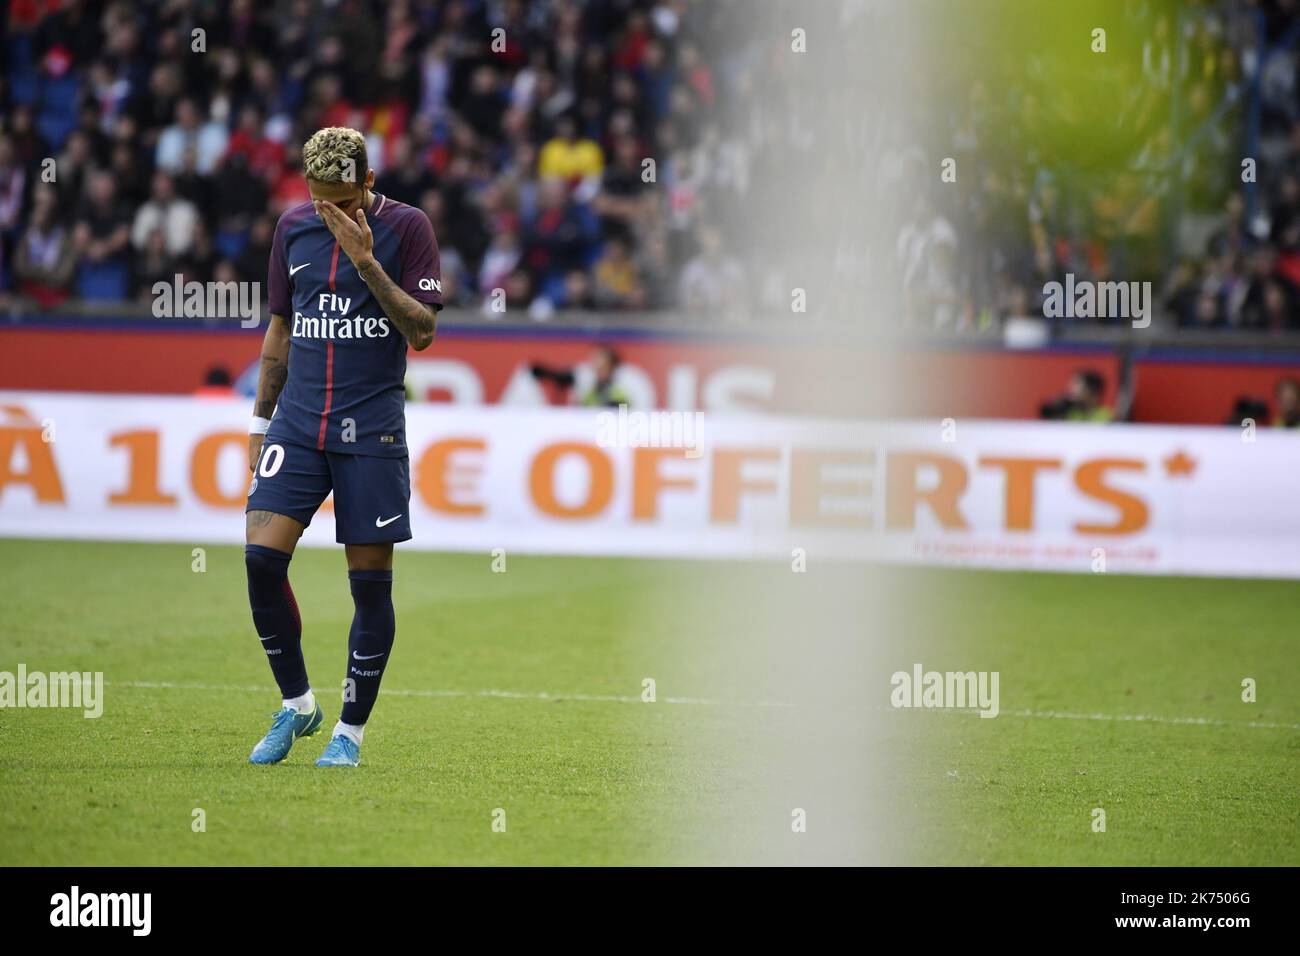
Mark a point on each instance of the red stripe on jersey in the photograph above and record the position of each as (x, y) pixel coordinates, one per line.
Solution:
(329, 389)
(329, 358)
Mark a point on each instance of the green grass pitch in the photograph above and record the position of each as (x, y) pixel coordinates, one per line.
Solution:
(1113, 651)
(521, 692)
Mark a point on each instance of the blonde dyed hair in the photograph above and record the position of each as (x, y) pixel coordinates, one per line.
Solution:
(335, 154)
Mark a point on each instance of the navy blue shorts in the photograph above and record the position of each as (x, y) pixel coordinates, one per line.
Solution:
(372, 496)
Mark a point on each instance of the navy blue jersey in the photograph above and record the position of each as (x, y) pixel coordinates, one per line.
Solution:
(347, 361)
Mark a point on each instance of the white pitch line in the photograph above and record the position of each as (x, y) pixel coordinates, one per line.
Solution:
(508, 694)
(629, 699)
(1150, 719)
(1120, 718)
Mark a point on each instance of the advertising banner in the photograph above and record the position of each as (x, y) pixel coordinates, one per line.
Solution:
(1012, 495)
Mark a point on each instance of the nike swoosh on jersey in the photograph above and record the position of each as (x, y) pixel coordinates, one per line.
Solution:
(293, 269)
(382, 522)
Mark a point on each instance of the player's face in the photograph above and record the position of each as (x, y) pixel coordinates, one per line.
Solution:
(349, 197)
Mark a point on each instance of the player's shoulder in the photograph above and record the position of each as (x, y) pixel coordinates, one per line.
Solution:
(398, 215)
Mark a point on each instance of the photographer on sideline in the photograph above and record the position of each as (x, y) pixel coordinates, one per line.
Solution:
(604, 392)
(1083, 402)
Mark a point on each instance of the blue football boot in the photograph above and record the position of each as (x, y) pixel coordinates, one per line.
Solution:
(341, 752)
(287, 726)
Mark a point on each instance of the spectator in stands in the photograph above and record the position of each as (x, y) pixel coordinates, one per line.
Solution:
(1278, 311)
(625, 199)
(29, 145)
(484, 103)
(618, 286)
(102, 238)
(408, 177)
(201, 259)
(290, 188)
(518, 289)
(501, 259)
(129, 173)
(567, 156)
(654, 265)
(13, 178)
(927, 258)
(153, 265)
(224, 273)
(251, 264)
(1266, 298)
(487, 142)
(558, 238)
(190, 133)
(264, 157)
(243, 197)
(578, 292)
(73, 164)
(167, 213)
(713, 280)
(46, 257)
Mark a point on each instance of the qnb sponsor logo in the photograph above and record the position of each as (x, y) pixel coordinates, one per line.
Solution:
(179, 299)
(75, 908)
(1098, 300)
(83, 691)
(633, 429)
(953, 689)
(431, 285)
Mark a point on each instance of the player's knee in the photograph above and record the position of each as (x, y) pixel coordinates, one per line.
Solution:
(371, 588)
(372, 593)
(267, 568)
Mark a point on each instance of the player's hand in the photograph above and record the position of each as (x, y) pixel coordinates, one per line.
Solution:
(254, 451)
(353, 235)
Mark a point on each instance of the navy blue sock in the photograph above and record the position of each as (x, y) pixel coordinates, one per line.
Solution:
(369, 642)
(275, 615)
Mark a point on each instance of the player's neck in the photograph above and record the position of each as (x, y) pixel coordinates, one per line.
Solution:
(369, 200)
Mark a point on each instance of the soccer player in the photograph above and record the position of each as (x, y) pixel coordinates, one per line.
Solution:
(353, 279)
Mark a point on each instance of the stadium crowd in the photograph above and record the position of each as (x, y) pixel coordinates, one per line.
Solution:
(1220, 250)
(596, 154)
(144, 139)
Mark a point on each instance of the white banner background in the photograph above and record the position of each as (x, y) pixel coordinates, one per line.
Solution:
(1068, 497)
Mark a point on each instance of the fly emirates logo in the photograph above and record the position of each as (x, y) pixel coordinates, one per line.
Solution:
(340, 326)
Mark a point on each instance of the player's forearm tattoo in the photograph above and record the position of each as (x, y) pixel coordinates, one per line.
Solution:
(274, 373)
(413, 319)
(274, 370)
